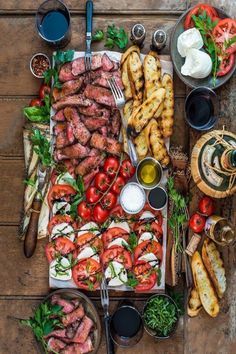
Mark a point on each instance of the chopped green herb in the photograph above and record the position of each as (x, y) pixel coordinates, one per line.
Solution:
(132, 281)
(116, 36)
(41, 146)
(98, 36)
(30, 182)
(133, 240)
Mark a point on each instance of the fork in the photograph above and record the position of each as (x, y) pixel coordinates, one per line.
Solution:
(89, 21)
(120, 102)
(105, 305)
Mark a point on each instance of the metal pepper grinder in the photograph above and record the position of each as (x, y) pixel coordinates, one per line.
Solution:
(138, 34)
(159, 38)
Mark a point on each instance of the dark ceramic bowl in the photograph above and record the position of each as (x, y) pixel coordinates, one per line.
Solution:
(89, 309)
(178, 61)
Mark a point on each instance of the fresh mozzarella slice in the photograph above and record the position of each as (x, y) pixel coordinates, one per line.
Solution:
(189, 39)
(60, 206)
(60, 269)
(123, 225)
(88, 252)
(116, 273)
(63, 229)
(147, 215)
(147, 236)
(119, 241)
(150, 258)
(63, 178)
(89, 227)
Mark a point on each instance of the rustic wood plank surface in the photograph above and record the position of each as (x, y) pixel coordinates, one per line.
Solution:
(24, 282)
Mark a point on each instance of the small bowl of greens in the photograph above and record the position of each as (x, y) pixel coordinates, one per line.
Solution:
(160, 316)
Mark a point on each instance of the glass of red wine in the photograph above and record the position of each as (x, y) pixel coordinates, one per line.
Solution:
(126, 325)
(53, 23)
(202, 108)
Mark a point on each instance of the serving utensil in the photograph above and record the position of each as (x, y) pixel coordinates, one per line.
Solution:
(105, 305)
(120, 102)
(30, 241)
(187, 267)
(89, 24)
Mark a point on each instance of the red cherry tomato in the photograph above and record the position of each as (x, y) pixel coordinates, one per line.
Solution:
(109, 201)
(44, 90)
(206, 206)
(101, 181)
(197, 222)
(93, 195)
(224, 34)
(226, 65)
(100, 214)
(84, 211)
(111, 166)
(36, 102)
(198, 10)
(118, 184)
(127, 170)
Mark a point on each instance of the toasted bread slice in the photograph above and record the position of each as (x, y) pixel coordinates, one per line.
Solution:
(152, 75)
(204, 287)
(125, 55)
(135, 72)
(214, 265)
(167, 115)
(127, 112)
(194, 303)
(141, 145)
(126, 81)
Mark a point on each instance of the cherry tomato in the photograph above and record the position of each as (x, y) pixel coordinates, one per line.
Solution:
(109, 201)
(100, 214)
(117, 212)
(197, 222)
(86, 273)
(101, 181)
(113, 233)
(118, 254)
(147, 279)
(111, 166)
(58, 219)
(36, 102)
(92, 195)
(127, 170)
(44, 90)
(149, 246)
(118, 184)
(206, 206)
(224, 32)
(60, 192)
(198, 10)
(226, 65)
(84, 211)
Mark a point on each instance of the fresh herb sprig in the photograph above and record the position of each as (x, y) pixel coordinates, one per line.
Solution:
(205, 25)
(39, 114)
(179, 213)
(98, 36)
(41, 146)
(116, 36)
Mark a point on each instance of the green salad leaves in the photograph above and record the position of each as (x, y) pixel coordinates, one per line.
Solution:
(40, 114)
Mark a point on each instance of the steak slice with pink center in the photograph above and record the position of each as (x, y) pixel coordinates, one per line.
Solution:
(79, 129)
(66, 305)
(78, 65)
(76, 151)
(72, 101)
(83, 330)
(55, 344)
(100, 95)
(83, 348)
(73, 316)
(68, 88)
(107, 63)
(104, 143)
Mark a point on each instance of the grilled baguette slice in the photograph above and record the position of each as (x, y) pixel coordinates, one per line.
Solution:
(214, 265)
(125, 80)
(126, 54)
(135, 72)
(194, 303)
(204, 287)
(127, 111)
(141, 145)
(152, 74)
(167, 115)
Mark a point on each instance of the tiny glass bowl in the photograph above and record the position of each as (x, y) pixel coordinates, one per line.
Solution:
(158, 168)
(123, 203)
(46, 58)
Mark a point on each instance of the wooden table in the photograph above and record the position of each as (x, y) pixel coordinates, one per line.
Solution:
(24, 282)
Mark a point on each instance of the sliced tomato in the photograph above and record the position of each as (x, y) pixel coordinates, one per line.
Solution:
(149, 246)
(59, 219)
(50, 251)
(117, 212)
(225, 35)
(64, 246)
(113, 233)
(86, 274)
(118, 254)
(146, 277)
(89, 239)
(60, 192)
(198, 10)
(157, 214)
(152, 227)
(226, 65)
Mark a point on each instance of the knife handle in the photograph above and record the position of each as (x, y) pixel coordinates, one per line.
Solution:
(32, 231)
(89, 17)
(109, 341)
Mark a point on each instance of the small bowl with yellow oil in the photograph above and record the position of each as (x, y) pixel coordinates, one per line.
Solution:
(149, 173)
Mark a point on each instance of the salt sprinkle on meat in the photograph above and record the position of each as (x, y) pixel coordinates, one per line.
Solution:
(103, 143)
(68, 88)
(88, 164)
(65, 73)
(59, 116)
(78, 65)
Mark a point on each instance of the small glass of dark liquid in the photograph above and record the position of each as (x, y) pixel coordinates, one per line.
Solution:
(53, 23)
(126, 326)
(157, 198)
(201, 108)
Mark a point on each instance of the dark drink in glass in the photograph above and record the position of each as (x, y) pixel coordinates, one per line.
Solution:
(201, 108)
(53, 23)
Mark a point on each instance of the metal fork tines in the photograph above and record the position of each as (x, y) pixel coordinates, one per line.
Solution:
(104, 297)
(88, 58)
(120, 102)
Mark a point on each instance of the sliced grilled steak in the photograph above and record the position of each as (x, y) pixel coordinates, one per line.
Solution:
(116, 65)
(79, 129)
(70, 168)
(61, 140)
(94, 123)
(78, 66)
(58, 333)
(71, 329)
(65, 73)
(83, 330)
(70, 133)
(59, 116)
(83, 348)
(100, 95)
(72, 101)
(88, 164)
(93, 110)
(55, 344)
(68, 88)
(67, 306)
(115, 123)
(102, 79)
(107, 63)
(104, 131)
(89, 177)
(73, 316)
(59, 127)
(76, 151)
(103, 143)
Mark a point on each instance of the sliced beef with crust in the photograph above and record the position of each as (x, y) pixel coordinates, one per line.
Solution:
(61, 140)
(78, 65)
(70, 167)
(95, 110)
(55, 345)
(115, 123)
(82, 348)
(80, 131)
(76, 151)
(68, 88)
(59, 116)
(83, 330)
(70, 133)
(94, 123)
(100, 95)
(72, 101)
(102, 79)
(65, 73)
(72, 328)
(88, 164)
(107, 63)
(66, 305)
(87, 179)
(73, 316)
(103, 143)
(59, 127)
(103, 131)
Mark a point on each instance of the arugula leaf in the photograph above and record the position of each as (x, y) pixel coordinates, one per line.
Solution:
(132, 281)
(133, 240)
(98, 36)
(41, 146)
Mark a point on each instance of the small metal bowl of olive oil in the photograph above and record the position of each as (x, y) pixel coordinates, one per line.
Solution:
(149, 173)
